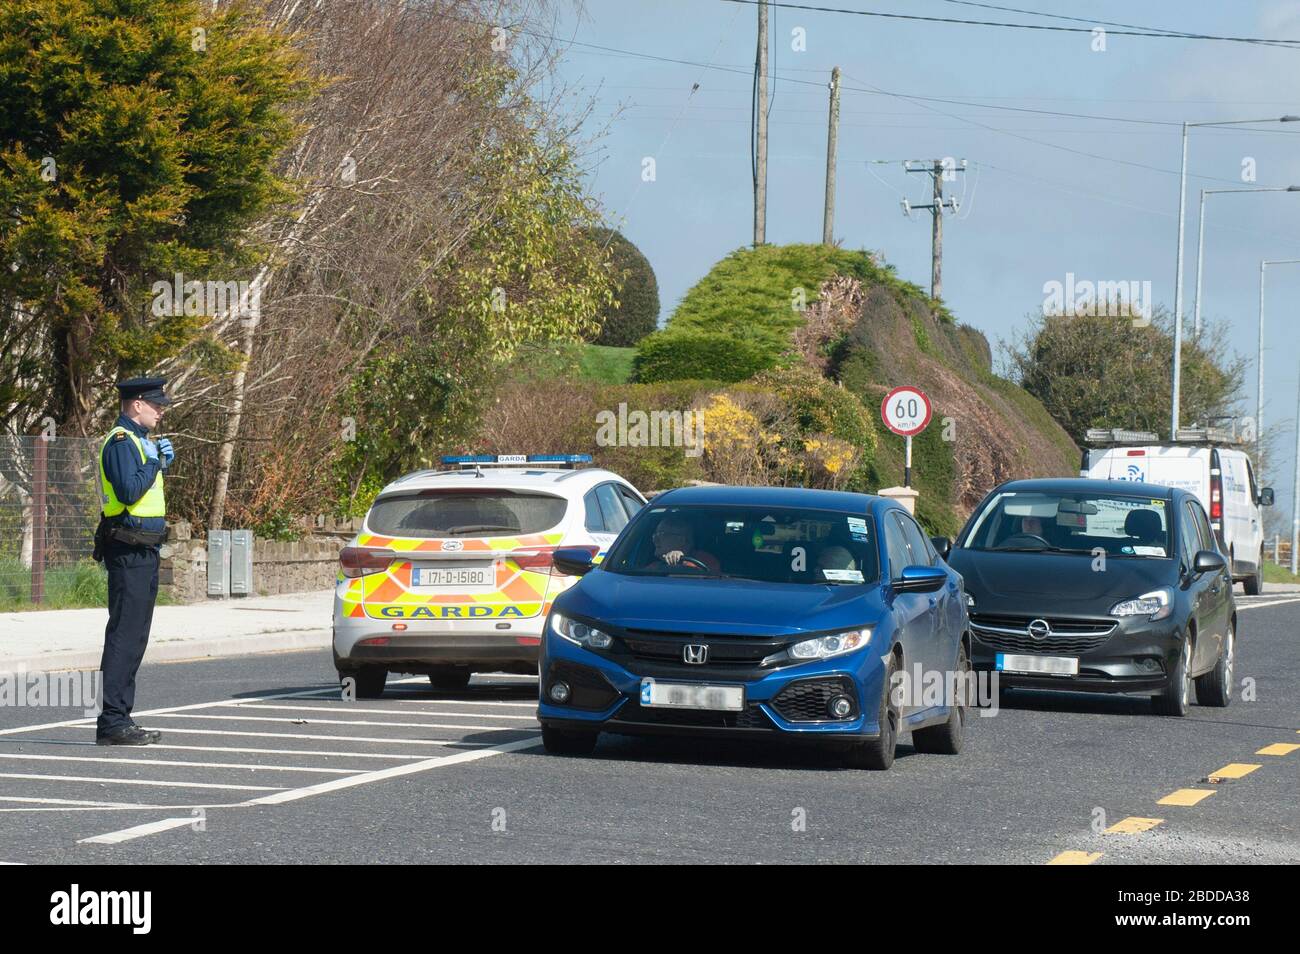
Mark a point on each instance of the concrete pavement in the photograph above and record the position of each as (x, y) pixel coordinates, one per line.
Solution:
(74, 639)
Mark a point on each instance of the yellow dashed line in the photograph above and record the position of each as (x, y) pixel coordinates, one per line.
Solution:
(1233, 770)
(1278, 748)
(1075, 858)
(1186, 796)
(1133, 825)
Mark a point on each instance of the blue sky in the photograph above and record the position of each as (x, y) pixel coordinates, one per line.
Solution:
(1033, 207)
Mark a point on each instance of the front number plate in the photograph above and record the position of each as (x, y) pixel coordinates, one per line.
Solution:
(676, 695)
(1045, 665)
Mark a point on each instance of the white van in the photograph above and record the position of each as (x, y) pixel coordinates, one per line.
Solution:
(1207, 463)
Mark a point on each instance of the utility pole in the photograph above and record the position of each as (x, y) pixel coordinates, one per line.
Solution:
(832, 141)
(1295, 494)
(938, 170)
(760, 166)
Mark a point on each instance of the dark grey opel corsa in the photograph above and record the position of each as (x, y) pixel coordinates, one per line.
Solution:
(1102, 586)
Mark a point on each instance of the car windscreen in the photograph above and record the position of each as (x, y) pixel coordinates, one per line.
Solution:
(766, 544)
(465, 513)
(1074, 522)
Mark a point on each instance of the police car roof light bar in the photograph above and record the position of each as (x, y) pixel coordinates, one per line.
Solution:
(568, 461)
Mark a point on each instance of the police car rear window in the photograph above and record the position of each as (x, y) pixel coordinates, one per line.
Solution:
(465, 513)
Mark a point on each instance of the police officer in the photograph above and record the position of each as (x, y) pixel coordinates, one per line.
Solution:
(131, 530)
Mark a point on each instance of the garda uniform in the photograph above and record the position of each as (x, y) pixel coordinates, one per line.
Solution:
(132, 527)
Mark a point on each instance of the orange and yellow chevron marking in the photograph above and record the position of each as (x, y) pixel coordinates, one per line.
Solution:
(1075, 858)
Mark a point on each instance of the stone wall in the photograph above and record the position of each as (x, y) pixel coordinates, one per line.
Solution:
(298, 566)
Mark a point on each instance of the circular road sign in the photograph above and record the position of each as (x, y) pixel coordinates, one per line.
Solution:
(905, 411)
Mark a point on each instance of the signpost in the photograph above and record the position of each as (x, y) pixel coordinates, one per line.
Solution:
(906, 411)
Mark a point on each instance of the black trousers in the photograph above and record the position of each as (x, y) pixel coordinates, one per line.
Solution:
(132, 590)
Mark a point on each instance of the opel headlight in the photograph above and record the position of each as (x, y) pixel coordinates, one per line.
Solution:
(579, 633)
(1155, 605)
(833, 645)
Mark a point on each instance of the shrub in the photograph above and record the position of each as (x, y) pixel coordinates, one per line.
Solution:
(673, 355)
(635, 311)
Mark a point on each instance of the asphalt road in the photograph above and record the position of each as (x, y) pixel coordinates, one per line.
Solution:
(262, 762)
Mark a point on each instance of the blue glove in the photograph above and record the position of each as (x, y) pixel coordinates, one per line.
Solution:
(150, 450)
(167, 452)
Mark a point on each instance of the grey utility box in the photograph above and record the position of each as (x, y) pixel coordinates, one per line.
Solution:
(241, 562)
(218, 563)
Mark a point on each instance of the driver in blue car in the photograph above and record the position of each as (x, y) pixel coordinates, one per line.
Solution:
(674, 541)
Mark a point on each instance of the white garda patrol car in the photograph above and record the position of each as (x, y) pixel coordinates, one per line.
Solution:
(452, 573)
(1206, 461)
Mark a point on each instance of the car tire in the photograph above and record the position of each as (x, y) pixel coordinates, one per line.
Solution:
(1215, 687)
(566, 742)
(450, 677)
(946, 739)
(878, 754)
(1254, 584)
(1173, 699)
(370, 681)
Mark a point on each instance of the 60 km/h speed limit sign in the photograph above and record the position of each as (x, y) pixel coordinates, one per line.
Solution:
(906, 411)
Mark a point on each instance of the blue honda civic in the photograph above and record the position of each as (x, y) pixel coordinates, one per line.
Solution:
(762, 613)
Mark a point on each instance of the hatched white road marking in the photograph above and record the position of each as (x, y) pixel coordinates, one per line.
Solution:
(312, 752)
(446, 743)
(140, 781)
(285, 720)
(126, 834)
(138, 761)
(348, 708)
(74, 801)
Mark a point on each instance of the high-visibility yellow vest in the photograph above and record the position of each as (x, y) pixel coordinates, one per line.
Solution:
(151, 502)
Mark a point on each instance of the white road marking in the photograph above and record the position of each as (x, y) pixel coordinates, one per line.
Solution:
(283, 720)
(328, 738)
(393, 772)
(1270, 603)
(75, 801)
(140, 781)
(312, 752)
(467, 702)
(139, 831)
(136, 761)
(347, 707)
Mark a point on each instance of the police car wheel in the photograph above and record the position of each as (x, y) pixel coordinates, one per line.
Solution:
(370, 681)
(450, 677)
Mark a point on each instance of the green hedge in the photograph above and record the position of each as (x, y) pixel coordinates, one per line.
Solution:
(674, 355)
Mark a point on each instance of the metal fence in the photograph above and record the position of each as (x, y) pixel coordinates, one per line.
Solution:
(49, 506)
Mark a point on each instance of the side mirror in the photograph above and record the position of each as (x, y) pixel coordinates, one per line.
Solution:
(943, 545)
(1266, 497)
(1207, 561)
(573, 561)
(920, 579)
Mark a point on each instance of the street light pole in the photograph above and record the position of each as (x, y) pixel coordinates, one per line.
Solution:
(1295, 491)
(1200, 242)
(1259, 357)
(1178, 272)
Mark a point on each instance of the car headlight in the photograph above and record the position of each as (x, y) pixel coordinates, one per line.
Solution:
(579, 633)
(1156, 605)
(833, 645)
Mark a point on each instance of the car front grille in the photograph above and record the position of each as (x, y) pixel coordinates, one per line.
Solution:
(751, 717)
(806, 699)
(1071, 637)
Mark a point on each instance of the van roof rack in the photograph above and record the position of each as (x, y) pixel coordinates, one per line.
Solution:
(1117, 435)
(1207, 435)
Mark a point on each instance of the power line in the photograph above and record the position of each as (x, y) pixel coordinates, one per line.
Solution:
(1022, 26)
